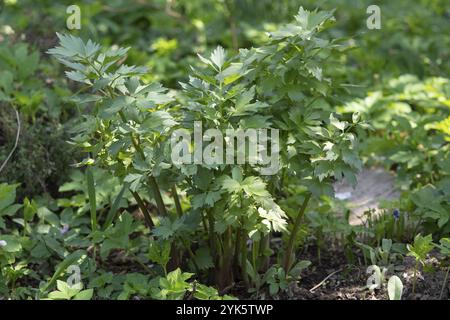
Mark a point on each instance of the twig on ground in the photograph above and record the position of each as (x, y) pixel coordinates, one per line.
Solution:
(323, 281)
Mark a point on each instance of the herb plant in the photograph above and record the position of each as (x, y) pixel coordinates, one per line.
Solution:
(419, 250)
(279, 85)
(201, 161)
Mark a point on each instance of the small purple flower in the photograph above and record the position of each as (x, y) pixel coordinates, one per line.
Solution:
(396, 214)
(3, 243)
(64, 229)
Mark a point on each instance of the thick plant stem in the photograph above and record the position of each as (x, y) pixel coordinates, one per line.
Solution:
(92, 198)
(244, 259)
(224, 274)
(237, 248)
(263, 259)
(157, 194)
(191, 255)
(290, 247)
(176, 199)
(443, 284)
(212, 242)
(145, 212)
(255, 252)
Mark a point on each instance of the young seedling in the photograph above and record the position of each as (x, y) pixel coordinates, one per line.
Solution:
(67, 292)
(419, 250)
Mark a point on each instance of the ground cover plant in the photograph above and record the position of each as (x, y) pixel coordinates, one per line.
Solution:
(202, 159)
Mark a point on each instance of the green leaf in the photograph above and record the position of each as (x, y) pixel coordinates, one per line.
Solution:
(167, 228)
(156, 95)
(244, 99)
(100, 84)
(336, 123)
(118, 104)
(134, 180)
(218, 57)
(203, 259)
(428, 197)
(6, 81)
(84, 295)
(71, 46)
(12, 244)
(212, 197)
(159, 120)
(421, 247)
(30, 209)
(7, 195)
(445, 246)
(255, 186)
(230, 185)
(311, 20)
(160, 253)
(299, 267)
(295, 92)
(203, 178)
(231, 73)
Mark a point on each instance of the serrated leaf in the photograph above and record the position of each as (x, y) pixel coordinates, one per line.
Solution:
(203, 259)
(218, 57)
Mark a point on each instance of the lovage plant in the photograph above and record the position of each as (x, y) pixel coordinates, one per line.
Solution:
(231, 206)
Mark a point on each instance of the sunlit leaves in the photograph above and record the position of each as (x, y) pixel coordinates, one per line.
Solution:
(421, 247)
(67, 292)
(306, 24)
(218, 57)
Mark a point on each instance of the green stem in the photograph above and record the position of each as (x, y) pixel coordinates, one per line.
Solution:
(443, 285)
(176, 199)
(290, 247)
(144, 210)
(157, 194)
(225, 276)
(237, 249)
(122, 116)
(211, 232)
(244, 258)
(255, 252)
(263, 247)
(205, 226)
(92, 198)
(228, 246)
(192, 256)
